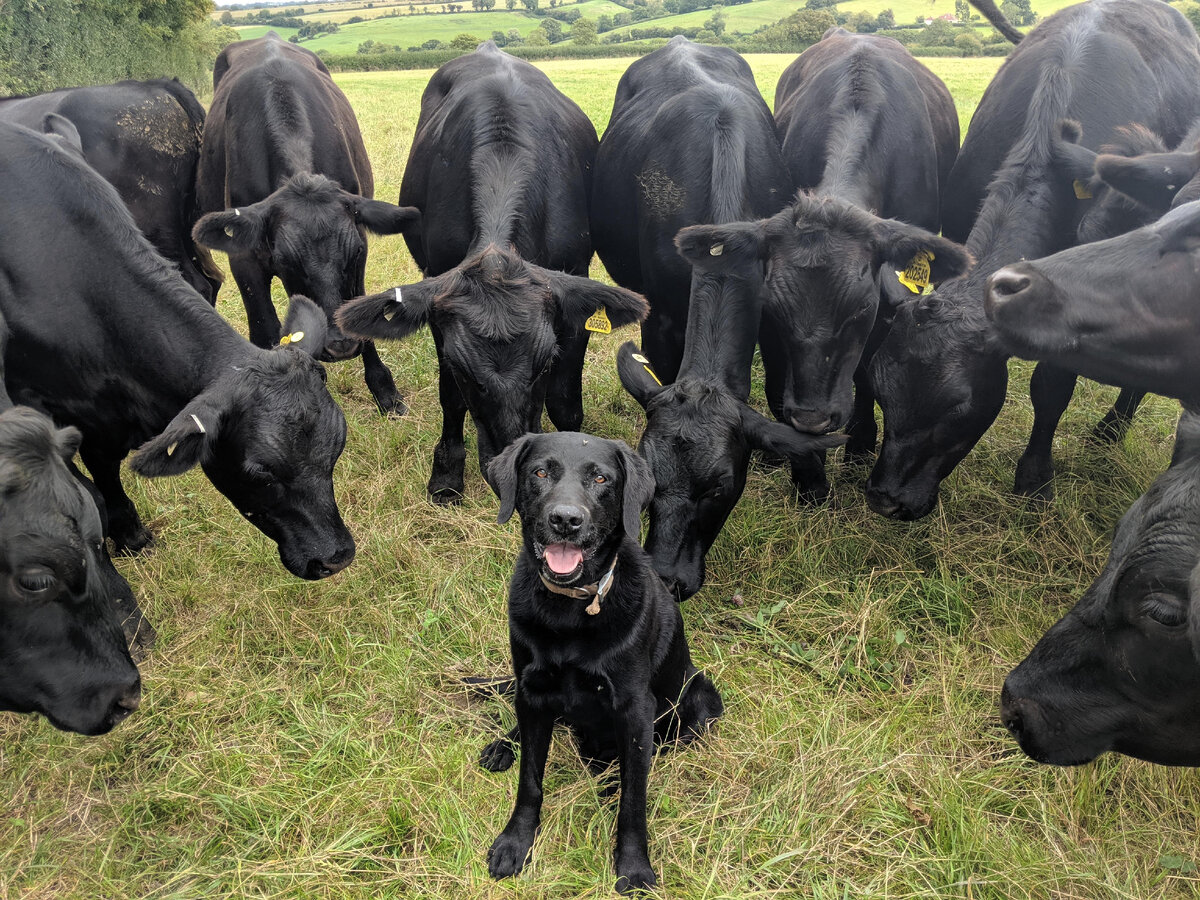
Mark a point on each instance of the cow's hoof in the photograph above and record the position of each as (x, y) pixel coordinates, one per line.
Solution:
(445, 495)
(128, 542)
(812, 494)
(859, 454)
(1109, 431)
(635, 874)
(392, 407)
(1034, 481)
(508, 854)
(497, 756)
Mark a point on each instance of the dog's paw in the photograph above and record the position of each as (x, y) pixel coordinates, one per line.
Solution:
(635, 875)
(508, 854)
(497, 756)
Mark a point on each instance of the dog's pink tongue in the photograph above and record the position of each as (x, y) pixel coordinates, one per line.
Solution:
(563, 559)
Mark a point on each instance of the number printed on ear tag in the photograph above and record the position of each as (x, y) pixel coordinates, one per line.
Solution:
(916, 276)
(598, 322)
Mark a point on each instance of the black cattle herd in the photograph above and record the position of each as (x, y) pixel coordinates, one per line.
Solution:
(1070, 234)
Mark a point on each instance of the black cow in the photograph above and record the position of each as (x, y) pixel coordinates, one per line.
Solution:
(1121, 311)
(499, 168)
(144, 138)
(862, 122)
(940, 375)
(283, 149)
(62, 652)
(690, 141)
(1121, 671)
(107, 337)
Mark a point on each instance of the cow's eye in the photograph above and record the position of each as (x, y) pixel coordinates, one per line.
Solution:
(600, 479)
(540, 473)
(713, 492)
(1166, 609)
(36, 581)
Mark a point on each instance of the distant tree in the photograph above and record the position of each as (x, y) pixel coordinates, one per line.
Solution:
(514, 37)
(510, 5)
(367, 46)
(464, 42)
(938, 33)
(537, 38)
(412, 9)
(716, 22)
(962, 9)
(553, 29)
(886, 19)
(968, 43)
(354, 20)
(583, 32)
(433, 44)
(226, 18)
(1019, 12)
(530, 5)
(861, 22)
(820, 4)
(706, 36)
(603, 24)
(1190, 10)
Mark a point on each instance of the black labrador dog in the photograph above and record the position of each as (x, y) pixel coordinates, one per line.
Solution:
(597, 642)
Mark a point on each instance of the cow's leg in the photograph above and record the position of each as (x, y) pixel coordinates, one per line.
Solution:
(775, 366)
(380, 382)
(862, 428)
(809, 479)
(662, 342)
(1115, 424)
(635, 741)
(125, 527)
(1050, 389)
(564, 392)
(450, 454)
(254, 281)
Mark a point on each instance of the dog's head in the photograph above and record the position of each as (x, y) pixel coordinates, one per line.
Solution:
(577, 496)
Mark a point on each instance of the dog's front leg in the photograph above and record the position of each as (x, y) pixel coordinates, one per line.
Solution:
(635, 733)
(510, 849)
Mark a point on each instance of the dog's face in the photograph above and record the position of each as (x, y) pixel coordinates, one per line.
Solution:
(577, 496)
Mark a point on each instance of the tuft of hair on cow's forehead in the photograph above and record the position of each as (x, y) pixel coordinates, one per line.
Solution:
(29, 443)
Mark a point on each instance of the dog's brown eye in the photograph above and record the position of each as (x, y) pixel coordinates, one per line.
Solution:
(600, 479)
(540, 473)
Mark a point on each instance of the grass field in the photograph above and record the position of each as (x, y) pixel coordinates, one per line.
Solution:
(302, 740)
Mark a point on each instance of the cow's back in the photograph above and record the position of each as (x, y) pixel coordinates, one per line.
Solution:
(477, 111)
(690, 141)
(860, 107)
(1149, 42)
(276, 112)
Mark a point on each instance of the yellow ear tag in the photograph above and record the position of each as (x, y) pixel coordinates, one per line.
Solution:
(598, 322)
(171, 449)
(716, 249)
(294, 338)
(1081, 190)
(916, 276)
(637, 357)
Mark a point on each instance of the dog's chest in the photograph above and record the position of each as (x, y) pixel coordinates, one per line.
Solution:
(570, 691)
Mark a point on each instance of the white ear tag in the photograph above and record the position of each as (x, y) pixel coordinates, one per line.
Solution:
(199, 424)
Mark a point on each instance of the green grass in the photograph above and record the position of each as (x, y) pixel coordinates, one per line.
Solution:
(303, 740)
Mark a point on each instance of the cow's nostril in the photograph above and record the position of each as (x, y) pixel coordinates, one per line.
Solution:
(1006, 283)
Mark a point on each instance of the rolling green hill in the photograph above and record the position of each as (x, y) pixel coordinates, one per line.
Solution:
(409, 30)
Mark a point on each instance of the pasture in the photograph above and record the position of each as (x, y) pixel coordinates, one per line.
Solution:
(312, 740)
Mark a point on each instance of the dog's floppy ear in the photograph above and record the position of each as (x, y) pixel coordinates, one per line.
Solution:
(502, 476)
(639, 488)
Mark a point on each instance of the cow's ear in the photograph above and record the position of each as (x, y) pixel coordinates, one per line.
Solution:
(639, 488)
(719, 246)
(775, 437)
(240, 230)
(581, 298)
(380, 217)
(636, 374)
(68, 440)
(391, 315)
(64, 129)
(904, 246)
(1151, 180)
(305, 327)
(1180, 230)
(503, 473)
(186, 441)
(1076, 162)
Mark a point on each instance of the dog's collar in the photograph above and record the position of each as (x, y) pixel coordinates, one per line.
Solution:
(594, 592)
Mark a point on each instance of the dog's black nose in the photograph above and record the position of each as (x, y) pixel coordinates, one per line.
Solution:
(566, 519)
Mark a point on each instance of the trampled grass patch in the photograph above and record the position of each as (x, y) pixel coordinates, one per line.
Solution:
(305, 740)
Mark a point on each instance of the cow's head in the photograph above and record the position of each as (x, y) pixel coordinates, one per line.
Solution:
(1121, 311)
(268, 435)
(62, 651)
(1121, 671)
(826, 262)
(313, 236)
(940, 378)
(697, 440)
(497, 320)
